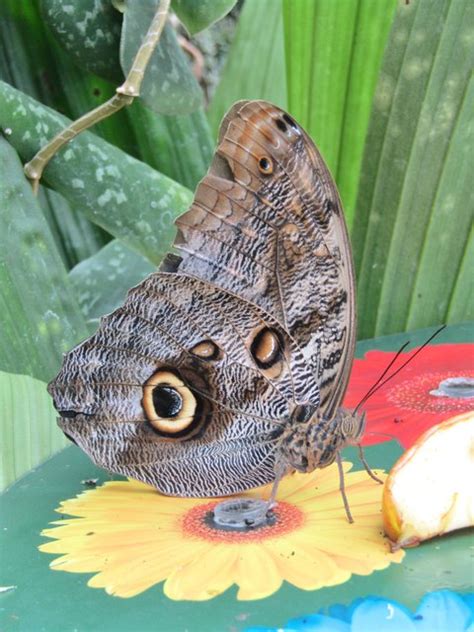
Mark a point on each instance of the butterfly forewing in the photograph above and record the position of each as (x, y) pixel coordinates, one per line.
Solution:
(267, 224)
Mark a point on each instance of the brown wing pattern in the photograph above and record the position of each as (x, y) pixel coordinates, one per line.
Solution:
(229, 445)
(267, 224)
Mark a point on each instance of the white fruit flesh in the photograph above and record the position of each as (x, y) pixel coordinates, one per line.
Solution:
(430, 489)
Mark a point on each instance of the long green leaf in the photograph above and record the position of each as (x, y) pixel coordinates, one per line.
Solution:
(333, 55)
(102, 281)
(255, 67)
(35, 71)
(415, 195)
(461, 307)
(126, 197)
(27, 426)
(40, 316)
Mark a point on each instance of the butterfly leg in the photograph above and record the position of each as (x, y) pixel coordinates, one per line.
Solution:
(281, 469)
(342, 488)
(367, 466)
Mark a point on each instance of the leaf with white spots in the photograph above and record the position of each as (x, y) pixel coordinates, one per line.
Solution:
(123, 195)
(169, 86)
(89, 31)
(41, 318)
(101, 282)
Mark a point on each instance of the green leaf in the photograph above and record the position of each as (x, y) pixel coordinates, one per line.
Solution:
(102, 281)
(333, 55)
(27, 426)
(255, 67)
(75, 237)
(40, 316)
(181, 147)
(26, 68)
(89, 30)
(461, 306)
(169, 86)
(197, 15)
(129, 199)
(415, 195)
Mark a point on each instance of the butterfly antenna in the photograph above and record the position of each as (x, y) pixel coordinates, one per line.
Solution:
(380, 378)
(381, 382)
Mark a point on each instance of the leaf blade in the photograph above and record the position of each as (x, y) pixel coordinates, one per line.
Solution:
(27, 426)
(169, 86)
(262, 24)
(424, 75)
(40, 316)
(128, 198)
(333, 54)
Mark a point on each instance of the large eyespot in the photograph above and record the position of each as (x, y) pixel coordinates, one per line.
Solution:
(170, 407)
(267, 350)
(207, 350)
(265, 165)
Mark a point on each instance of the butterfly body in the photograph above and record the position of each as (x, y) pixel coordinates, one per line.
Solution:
(315, 443)
(229, 363)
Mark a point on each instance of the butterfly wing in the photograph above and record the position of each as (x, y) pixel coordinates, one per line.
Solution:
(168, 390)
(267, 224)
(191, 383)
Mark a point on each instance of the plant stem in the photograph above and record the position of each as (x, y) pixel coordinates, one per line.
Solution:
(125, 94)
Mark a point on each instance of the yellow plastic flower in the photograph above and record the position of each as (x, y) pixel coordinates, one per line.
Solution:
(133, 538)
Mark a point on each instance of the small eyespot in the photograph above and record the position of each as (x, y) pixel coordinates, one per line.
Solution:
(265, 165)
(291, 123)
(266, 348)
(207, 350)
(281, 125)
(170, 407)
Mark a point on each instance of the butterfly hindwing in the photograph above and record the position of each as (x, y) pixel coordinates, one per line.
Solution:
(205, 338)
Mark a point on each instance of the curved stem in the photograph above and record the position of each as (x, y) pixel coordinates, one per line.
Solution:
(124, 96)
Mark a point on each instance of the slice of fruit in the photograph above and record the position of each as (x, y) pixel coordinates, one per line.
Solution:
(430, 489)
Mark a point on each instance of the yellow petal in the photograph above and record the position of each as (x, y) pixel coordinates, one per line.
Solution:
(257, 572)
(204, 577)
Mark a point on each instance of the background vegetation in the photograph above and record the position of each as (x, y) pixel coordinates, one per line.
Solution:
(384, 88)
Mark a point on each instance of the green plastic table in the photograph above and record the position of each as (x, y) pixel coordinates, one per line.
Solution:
(48, 600)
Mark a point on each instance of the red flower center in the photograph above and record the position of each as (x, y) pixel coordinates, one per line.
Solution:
(197, 522)
(415, 394)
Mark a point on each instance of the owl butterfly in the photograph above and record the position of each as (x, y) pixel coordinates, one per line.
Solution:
(227, 367)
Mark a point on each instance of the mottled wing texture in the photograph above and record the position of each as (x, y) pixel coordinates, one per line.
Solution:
(244, 410)
(267, 224)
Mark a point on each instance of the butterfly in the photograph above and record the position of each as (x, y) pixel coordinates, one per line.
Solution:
(226, 368)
